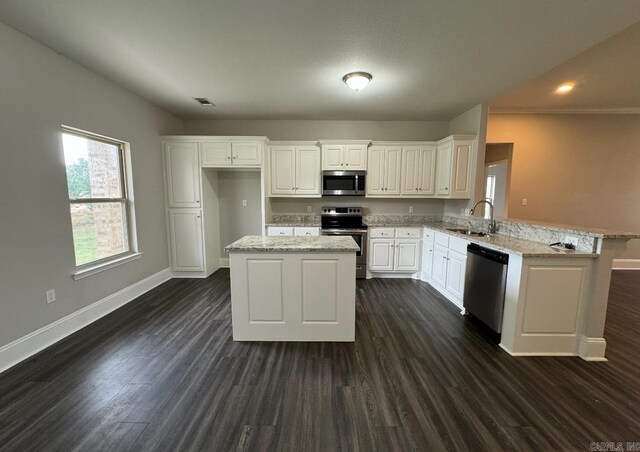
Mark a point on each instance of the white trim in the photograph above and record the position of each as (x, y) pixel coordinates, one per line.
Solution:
(26, 346)
(626, 264)
(592, 348)
(566, 111)
(83, 273)
(503, 347)
(224, 262)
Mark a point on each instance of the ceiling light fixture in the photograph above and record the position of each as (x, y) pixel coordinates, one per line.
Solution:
(564, 88)
(357, 80)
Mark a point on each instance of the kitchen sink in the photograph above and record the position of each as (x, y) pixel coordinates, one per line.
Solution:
(468, 232)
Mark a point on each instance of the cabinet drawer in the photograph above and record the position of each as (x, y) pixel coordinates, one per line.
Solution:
(303, 232)
(381, 232)
(278, 230)
(442, 239)
(429, 235)
(406, 233)
(458, 245)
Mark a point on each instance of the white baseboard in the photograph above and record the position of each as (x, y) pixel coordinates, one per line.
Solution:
(26, 346)
(224, 262)
(592, 348)
(626, 264)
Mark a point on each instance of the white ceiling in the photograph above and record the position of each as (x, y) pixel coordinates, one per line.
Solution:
(606, 79)
(284, 59)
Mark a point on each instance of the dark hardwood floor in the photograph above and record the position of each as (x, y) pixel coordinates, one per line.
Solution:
(162, 373)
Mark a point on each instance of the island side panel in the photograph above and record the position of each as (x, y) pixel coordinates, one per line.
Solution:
(293, 296)
(544, 304)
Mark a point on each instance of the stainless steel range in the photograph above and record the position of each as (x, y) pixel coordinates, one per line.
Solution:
(347, 221)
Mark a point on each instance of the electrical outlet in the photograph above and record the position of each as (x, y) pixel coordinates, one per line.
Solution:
(51, 295)
(309, 209)
(244, 203)
(410, 209)
(524, 201)
(571, 239)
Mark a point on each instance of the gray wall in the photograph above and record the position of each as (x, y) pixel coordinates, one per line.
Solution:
(237, 221)
(39, 91)
(316, 130)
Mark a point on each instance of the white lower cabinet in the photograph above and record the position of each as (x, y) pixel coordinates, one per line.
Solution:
(397, 254)
(444, 264)
(187, 243)
(427, 260)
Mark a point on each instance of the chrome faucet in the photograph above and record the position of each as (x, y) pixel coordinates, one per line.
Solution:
(493, 227)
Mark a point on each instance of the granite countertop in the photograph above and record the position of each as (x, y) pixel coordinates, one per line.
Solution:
(317, 244)
(507, 244)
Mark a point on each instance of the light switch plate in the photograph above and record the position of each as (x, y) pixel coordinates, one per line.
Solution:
(524, 201)
(51, 295)
(244, 203)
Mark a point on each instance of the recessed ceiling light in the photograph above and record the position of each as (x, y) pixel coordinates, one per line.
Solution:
(204, 101)
(564, 88)
(357, 80)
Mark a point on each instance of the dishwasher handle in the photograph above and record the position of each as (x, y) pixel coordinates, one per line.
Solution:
(487, 253)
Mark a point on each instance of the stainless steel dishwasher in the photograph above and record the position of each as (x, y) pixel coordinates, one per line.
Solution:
(485, 284)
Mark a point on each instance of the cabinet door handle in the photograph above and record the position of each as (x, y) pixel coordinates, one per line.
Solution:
(198, 201)
(346, 164)
(228, 157)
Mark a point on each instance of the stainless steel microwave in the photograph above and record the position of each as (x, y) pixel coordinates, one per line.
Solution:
(343, 183)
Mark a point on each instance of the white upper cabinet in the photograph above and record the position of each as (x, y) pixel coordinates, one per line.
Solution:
(231, 153)
(294, 170)
(427, 179)
(182, 169)
(307, 171)
(383, 171)
(455, 164)
(344, 155)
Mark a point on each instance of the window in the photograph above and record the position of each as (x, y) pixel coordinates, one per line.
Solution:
(100, 199)
(490, 194)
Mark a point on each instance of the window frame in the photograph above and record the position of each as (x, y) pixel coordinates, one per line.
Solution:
(126, 201)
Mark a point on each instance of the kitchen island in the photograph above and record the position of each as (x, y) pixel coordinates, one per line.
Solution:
(293, 288)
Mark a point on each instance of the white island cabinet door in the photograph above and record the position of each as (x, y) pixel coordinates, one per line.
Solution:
(182, 166)
(186, 240)
(283, 170)
(381, 253)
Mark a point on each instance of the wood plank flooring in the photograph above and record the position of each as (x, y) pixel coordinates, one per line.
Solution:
(162, 373)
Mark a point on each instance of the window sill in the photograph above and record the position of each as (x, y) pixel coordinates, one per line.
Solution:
(88, 271)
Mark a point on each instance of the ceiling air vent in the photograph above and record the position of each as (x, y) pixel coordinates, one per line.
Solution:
(204, 101)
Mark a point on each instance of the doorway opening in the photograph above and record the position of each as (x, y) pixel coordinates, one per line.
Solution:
(497, 178)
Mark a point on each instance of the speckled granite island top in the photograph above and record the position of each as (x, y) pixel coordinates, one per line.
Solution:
(276, 244)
